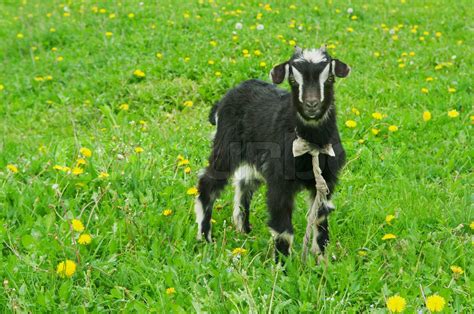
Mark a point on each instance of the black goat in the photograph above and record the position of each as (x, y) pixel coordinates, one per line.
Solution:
(256, 126)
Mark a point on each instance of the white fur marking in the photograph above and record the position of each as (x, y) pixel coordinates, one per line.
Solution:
(329, 204)
(333, 63)
(299, 79)
(312, 55)
(288, 237)
(199, 210)
(237, 215)
(322, 79)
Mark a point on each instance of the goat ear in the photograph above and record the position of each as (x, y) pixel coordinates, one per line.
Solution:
(340, 69)
(279, 73)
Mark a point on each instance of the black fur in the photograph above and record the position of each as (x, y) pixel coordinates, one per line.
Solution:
(257, 123)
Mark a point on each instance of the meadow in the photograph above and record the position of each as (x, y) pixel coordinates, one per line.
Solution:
(103, 119)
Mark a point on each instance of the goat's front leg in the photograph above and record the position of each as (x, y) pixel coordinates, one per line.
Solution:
(320, 230)
(280, 204)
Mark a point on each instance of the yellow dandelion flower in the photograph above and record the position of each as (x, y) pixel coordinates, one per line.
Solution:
(429, 79)
(62, 168)
(187, 59)
(131, 15)
(389, 236)
(77, 171)
(80, 161)
(218, 74)
(86, 152)
(424, 90)
(2, 87)
(239, 251)
(187, 170)
(453, 113)
(362, 253)
(438, 34)
(12, 168)
(213, 43)
(139, 73)
(426, 116)
(103, 175)
(77, 225)
(192, 191)
(396, 304)
(451, 90)
(389, 218)
(375, 131)
(393, 128)
(350, 29)
(84, 239)
(210, 62)
(257, 53)
(412, 53)
(435, 303)
(438, 67)
(52, 30)
(471, 225)
(421, 38)
(20, 36)
(124, 107)
(355, 111)
(291, 42)
(351, 124)
(361, 141)
(167, 212)
(354, 17)
(395, 37)
(170, 291)
(66, 268)
(457, 270)
(401, 65)
(112, 15)
(108, 34)
(377, 115)
(159, 55)
(60, 59)
(139, 150)
(188, 103)
(213, 221)
(183, 162)
(376, 54)
(263, 64)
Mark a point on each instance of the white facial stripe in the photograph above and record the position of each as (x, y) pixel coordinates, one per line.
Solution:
(299, 79)
(322, 79)
(312, 55)
(333, 67)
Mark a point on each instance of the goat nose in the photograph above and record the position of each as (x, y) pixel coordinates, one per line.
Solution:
(312, 103)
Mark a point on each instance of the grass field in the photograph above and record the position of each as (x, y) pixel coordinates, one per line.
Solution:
(103, 118)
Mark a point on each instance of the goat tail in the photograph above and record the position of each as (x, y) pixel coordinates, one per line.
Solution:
(213, 113)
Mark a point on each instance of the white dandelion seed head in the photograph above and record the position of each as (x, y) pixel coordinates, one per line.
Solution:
(350, 10)
(392, 31)
(260, 27)
(55, 186)
(238, 25)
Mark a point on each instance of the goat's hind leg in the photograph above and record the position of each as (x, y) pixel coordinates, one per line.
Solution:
(245, 183)
(210, 185)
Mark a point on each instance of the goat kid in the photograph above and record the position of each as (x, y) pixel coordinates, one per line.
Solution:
(256, 126)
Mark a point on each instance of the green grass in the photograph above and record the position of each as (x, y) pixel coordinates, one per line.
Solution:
(421, 173)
